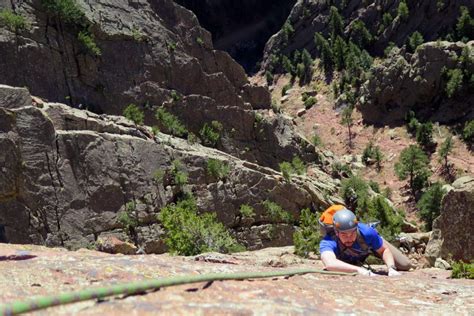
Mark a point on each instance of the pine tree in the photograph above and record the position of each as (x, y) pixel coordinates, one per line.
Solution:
(325, 51)
(415, 40)
(336, 24)
(430, 204)
(403, 11)
(414, 164)
(445, 150)
(347, 120)
(339, 51)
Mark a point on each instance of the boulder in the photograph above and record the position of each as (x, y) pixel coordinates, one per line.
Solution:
(452, 235)
(113, 245)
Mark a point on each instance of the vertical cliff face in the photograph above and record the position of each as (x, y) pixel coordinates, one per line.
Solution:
(241, 27)
(108, 54)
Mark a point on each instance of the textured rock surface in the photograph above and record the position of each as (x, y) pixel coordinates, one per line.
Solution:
(66, 175)
(309, 17)
(416, 83)
(452, 230)
(426, 291)
(150, 52)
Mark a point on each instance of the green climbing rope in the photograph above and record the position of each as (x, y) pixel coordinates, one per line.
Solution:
(142, 286)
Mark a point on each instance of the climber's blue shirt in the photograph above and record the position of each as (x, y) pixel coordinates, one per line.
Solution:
(371, 238)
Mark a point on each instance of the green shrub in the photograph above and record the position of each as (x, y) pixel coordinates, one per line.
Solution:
(340, 170)
(288, 31)
(285, 89)
(129, 218)
(390, 220)
(171, 123)
(188, 233)
(134, 114)
(298, 165)
(137, 35)
(454, 84)
(211, 134)
(462, 270)
(413, 123)
(276, 213)
(346, 119)
(413, 164)
(180, 176)
(286, 170)
(269, 77)
(368, 154)
(465, 25)
(158, 176)
(387, 19)
(378, 156)
(218, 169)
(316, 140)
(307, 237)
(468, 132)
(288, 67)
(14, 22)
(66, 10)
(403, 11)
(360, 35)
(200, 41)
(389, 48)
(309, 102)
(87, 40)
(171, 46)
(175, 96)
(430, 204)
(374, 186)
(424, 134)
(355, 192)
(192, 138)
(415, 40)
(444, 151)
(247, 212)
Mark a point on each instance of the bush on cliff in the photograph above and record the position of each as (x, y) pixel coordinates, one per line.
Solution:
(188, 233)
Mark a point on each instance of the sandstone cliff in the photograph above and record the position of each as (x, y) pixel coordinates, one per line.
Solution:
(109, 54)
(67, 173)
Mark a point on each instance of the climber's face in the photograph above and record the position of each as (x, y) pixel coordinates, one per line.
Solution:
(347, 238)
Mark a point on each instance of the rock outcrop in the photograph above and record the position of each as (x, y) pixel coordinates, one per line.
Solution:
(149, 53)
(452, 235)
(430, 18)
(67, 173)
(426, 291)
(417, 82)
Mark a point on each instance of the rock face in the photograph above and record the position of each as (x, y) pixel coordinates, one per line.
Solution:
(426, 291)
(309, 17)
(452, 230)
(241, 28)
(152, 53)
(67, 173)
(417, 82)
